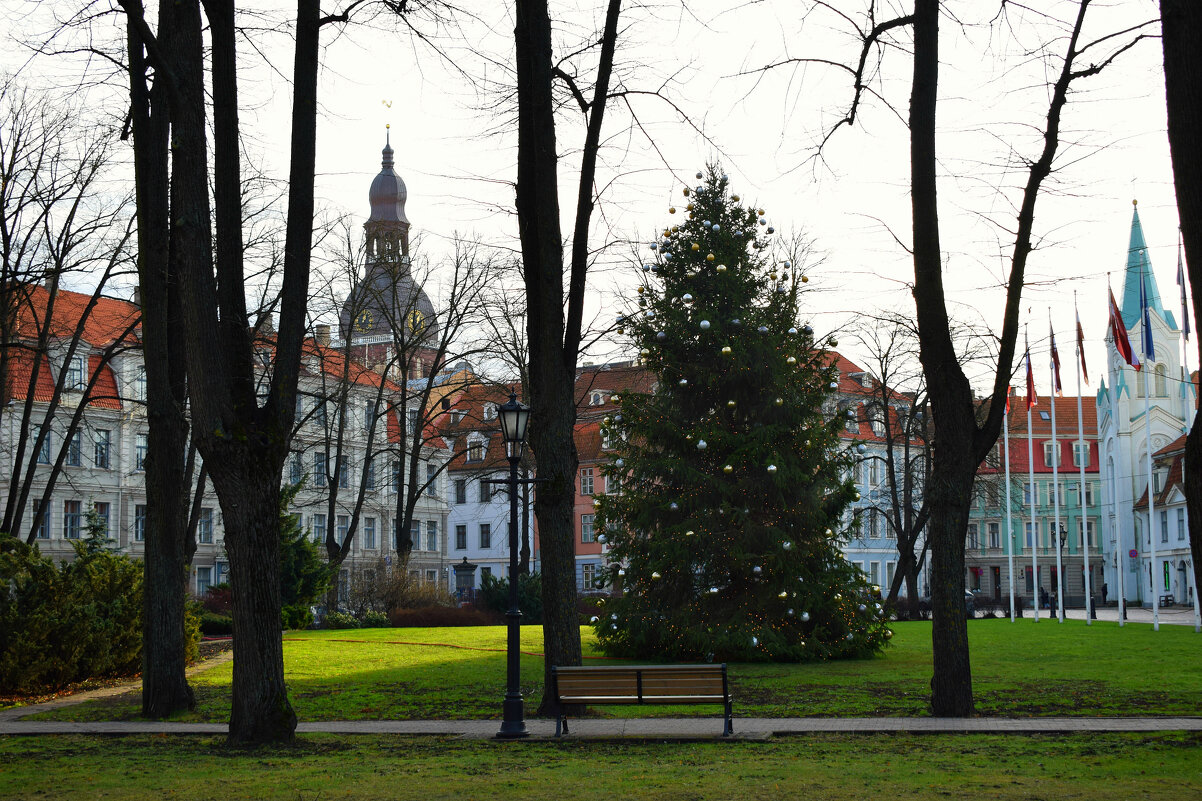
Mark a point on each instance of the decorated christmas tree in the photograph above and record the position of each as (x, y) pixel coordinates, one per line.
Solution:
(724, 535)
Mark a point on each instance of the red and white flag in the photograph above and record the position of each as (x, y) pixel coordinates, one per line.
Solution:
(1032, 398)
(1057, 387)
(1081, 344)
(1121, 341)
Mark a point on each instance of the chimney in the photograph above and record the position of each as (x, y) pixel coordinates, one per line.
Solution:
(323, 334)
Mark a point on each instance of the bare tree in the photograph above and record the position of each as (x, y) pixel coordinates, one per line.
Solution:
(961, 440)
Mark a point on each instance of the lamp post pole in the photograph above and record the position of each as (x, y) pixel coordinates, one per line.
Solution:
(513, 417)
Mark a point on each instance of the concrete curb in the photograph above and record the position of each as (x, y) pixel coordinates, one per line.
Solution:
(643, 728)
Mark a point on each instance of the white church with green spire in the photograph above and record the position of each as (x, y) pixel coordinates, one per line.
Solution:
(1145, 559)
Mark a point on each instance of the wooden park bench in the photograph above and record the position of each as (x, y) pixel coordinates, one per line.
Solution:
(640, 684)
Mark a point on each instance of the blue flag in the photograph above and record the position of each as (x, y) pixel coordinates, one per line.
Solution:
(1184, 306)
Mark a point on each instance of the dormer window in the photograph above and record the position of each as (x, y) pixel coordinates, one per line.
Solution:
(76, 369)
(597, 399)
(490, 411)
(475, 450)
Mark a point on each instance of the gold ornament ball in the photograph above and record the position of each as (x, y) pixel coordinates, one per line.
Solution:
(690, 207)
(642, 290)
(760, 212)
(689, 533)
(735, 198)
(773, 276)
(644, 353)
(728, 469)
(675, 228)
(616, 399)
(780, 401)
(709, 257)
(805, 279)
(888, 634)
(671, 209)
(621, 330)
(726, 350)
(686, 191)
(730, 404)
(833, 341)
(721, 268)
(696, 247)
(791, 360)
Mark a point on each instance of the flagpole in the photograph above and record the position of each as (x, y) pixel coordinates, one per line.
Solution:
(1009, 526)
(1121, 344)
(1056, 476)
(1084, 461)
(1032, 492)
(1145, 340)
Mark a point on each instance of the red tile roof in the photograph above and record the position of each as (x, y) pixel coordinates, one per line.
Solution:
(106, 323)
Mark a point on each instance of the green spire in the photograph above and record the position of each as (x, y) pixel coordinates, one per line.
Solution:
(1139, 264)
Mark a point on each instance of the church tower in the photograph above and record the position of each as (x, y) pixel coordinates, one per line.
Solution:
(1123, 426)
(387, 312)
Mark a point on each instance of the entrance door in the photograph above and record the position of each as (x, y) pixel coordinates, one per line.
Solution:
(996, 575)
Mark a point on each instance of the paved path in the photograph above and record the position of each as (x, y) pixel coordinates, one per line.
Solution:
(651, 728)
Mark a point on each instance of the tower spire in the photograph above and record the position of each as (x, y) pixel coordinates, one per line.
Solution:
(1140, 266)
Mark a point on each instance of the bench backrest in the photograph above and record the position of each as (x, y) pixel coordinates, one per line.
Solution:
(703, 682)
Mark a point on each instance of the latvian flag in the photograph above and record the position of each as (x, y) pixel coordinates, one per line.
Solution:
(1121, 340)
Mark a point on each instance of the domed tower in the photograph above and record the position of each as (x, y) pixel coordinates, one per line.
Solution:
(387, 309)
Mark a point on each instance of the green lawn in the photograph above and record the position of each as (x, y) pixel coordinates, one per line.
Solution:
(1019, 669)
(815, 768)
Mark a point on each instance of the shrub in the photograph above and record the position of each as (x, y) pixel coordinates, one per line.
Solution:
(341, 620)
(214, 625)
(494, 595)
(294, 618)
(375, 620)
(385, 587)
(444, 616)
(218, 599)
(70, 622)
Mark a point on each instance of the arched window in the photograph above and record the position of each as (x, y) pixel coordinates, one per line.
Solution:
(1162, 386)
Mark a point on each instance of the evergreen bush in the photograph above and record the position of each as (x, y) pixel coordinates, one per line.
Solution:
(494, 596)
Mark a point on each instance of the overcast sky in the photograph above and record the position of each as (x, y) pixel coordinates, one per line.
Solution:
(455, 144)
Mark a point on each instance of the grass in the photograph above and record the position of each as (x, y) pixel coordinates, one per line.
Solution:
(1019, 669)
(814, 767)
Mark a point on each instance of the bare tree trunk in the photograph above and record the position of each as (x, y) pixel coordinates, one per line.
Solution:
(1181, 23)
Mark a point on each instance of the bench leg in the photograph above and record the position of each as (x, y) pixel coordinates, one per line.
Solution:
(561, 724)
(728, 728)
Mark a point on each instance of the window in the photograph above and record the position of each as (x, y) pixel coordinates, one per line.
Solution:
(44, 523)
(586, 529)
(485, 571)
(319, 469)
(995, 535)
(475, 450)
(974, 538)
(415, 535)
(102, 517)
(319, 528)
(319, 412)
(72, 519)
(102, 443)
(586, 481)
(344, 526)
(75, 450)
(344, 472)
(490, 411)
(44, 450)
(140, 384)
(1032, 529)
(432, 479)
(596, 399)
(1180, 524)
(461, 538)
(1090, 535)
(1164, 525)
(395, 484)
(431, 535)
(890, 568)
(485, 535)
(1026, 494)
(140, 523)
(588, 576)
(411, 417)
(141, 447)
(877, 421)
(297, 468)
(874, 472)
(369, 414)
(485, 491)
(1051, 454)
(975, 575)
(76, 372)
(607, 440)
(461, 490)
(431, 576)
(1080, 454)
(204, 527)
(369, 533)
(874, 572)
(369, 475)
(204, 579)
(1089, 498)
(1162, 390)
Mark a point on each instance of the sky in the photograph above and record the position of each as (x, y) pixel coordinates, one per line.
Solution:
(454, 135)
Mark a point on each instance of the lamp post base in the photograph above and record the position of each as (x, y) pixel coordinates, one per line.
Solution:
(513, 724)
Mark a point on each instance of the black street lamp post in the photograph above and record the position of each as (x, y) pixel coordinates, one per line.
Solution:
(514, 418)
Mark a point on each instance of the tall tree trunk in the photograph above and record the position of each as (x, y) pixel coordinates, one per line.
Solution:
(249, 495)
(1181, 22)
(165, 689)
(552, 375)
(949, 490)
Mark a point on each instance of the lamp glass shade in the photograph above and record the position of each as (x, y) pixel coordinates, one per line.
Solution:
(514, 418)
